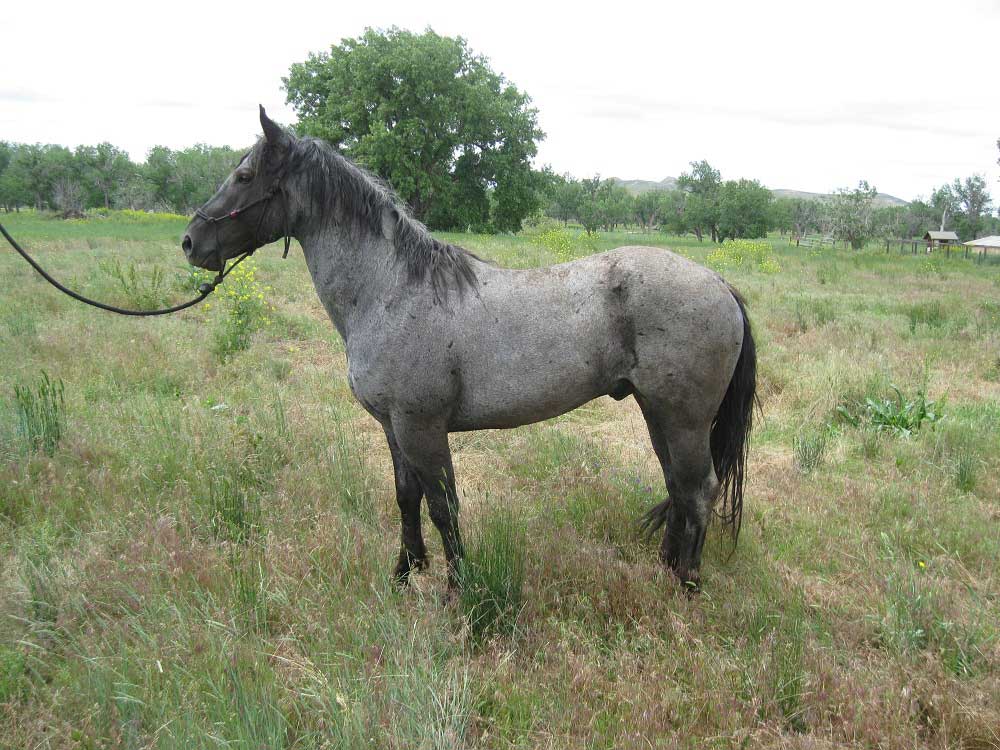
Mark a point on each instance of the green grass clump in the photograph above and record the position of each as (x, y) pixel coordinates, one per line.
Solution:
(930, 314)
(809, 448)
(40, 413)
(492, 575)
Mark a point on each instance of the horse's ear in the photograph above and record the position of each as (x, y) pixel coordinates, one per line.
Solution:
(273, 132)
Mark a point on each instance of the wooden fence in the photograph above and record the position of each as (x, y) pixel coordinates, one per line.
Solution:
(920, 246)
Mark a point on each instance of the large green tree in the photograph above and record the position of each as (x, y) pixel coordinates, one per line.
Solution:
(103, 169)
(454, 138)
(701, 208)
(744, 209)
(974, 203)
(853, 214)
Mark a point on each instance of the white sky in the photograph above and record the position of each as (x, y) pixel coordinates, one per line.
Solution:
(795, 94)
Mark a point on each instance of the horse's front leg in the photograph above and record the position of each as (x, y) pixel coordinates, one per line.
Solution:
(424, 446)
(409, 493)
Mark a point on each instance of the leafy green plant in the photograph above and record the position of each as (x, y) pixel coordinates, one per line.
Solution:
(143, 290)
(40, 413)
(898, 414)
(492, 575)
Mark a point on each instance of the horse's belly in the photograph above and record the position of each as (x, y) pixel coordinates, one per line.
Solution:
(504, 396)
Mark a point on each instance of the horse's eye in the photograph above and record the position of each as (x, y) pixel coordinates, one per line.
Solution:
(244, 177)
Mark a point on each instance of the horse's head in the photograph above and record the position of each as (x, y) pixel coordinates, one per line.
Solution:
(249, 210)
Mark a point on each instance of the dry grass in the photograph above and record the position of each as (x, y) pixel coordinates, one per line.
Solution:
(139, 609)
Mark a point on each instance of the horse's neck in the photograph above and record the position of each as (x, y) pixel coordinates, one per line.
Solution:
(353, 272)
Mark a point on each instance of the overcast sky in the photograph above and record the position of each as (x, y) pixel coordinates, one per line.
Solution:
(902, 94)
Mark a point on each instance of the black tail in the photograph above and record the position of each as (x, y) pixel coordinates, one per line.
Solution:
(730, 437)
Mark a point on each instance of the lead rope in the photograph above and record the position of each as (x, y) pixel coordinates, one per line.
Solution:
(204, 289)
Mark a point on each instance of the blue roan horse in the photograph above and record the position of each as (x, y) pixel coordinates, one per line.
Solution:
(439, 341)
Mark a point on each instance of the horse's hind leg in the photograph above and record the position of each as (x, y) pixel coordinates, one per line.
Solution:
(686, 459)
(412, 552)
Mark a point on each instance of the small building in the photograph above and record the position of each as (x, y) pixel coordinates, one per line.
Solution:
(936, 240)
(985, 245)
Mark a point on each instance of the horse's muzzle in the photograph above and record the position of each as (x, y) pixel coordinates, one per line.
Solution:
(210, 261)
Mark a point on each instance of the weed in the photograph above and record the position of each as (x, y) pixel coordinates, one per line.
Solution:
(280, 369)
(899, 415)
(492, 575)
(965, 473)
(40, 413)
(829, 274)
(20, 322)
(247, 311)
(145, 290)
(930, 314)
(809, 447)
(912, 620)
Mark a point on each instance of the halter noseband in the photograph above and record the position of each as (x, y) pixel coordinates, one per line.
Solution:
(235, 214)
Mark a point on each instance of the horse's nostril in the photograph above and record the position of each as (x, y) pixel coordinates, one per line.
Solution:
(186, 244)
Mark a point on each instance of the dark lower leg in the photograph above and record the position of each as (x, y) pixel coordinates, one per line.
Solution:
(412, 552)
(443, 508)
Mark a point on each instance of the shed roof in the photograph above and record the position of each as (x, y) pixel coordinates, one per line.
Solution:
(935, 235)
(991, 241)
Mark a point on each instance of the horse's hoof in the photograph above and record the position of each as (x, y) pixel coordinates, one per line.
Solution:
(690, 582)
(401, 574)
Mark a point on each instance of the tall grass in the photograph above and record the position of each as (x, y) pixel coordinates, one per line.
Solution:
(492, 574)
(40, 413)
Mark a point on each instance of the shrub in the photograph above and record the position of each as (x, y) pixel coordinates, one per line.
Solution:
(40, 413)
(492, 575)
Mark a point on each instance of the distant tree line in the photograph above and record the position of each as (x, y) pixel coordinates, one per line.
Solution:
(70, 181)
(710, 208)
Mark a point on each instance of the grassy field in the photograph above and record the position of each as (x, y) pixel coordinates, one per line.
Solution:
(197, 524)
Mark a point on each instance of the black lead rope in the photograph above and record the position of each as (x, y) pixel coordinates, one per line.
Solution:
(204, 289)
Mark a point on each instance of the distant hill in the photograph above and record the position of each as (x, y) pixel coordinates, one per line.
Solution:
(643, 186)
(670, 183)
(881, 199)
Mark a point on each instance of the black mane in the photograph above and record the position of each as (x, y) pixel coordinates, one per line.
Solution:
(358, 197)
